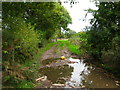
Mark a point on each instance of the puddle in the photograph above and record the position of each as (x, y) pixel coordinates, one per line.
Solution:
(56, 74)
(50, 60)
(78, 74)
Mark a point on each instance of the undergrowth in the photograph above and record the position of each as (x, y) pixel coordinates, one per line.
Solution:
(23, 75)
(71, 47)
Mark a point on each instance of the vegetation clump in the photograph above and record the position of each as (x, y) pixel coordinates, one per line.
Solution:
(27, 27)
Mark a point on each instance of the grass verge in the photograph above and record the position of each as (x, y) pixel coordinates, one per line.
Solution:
(71, 47)
(23, 75)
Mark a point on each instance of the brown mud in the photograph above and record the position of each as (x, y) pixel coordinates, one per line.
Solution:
(59, 73)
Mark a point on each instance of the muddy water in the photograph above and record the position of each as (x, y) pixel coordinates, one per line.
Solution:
(78, 74)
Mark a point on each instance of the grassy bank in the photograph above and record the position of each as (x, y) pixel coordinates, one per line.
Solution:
(75, 50)
(71, 47)
(23, 75)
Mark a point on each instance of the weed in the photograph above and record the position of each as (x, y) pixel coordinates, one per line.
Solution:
(72, 48)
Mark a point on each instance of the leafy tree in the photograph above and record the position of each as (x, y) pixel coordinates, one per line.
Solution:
(105, 26)
(19, 41)
(103, 36)
(47, 17)
(25, 25)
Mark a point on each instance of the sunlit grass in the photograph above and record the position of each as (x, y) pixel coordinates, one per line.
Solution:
(74, 49)
(62, 40)
(71, 47)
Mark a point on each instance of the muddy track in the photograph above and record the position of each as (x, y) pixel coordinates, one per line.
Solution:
(53, 56)
(55, 52)
(56, 73)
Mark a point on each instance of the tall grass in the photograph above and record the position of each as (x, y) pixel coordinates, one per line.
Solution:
(71, 47)
(17, 75)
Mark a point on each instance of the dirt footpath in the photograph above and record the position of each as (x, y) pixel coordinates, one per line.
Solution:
(51, 58)
(55, 52)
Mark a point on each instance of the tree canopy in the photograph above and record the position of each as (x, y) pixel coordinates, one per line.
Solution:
(25, 26)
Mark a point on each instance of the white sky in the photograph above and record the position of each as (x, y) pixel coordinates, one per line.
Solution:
(77, 14)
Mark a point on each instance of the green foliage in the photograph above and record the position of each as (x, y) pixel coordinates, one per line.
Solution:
(25, 25)
(79, 40)
(75, 39)
(25, 84)
(103, 36)
(105, 26)
(113, 55)
(71, 47)
(69, 33)
(19, 42)
(48, 17)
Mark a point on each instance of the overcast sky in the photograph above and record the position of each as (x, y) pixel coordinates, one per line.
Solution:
(78, 14)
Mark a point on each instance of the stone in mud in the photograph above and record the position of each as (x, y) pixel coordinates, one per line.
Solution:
(64, 78)
(65, 52)
(43, 78)
(83, 86)
(59, 85)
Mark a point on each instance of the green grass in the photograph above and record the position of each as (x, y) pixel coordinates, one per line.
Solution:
(74, 49)
(63, 40)
(26, 84)
(71, 47)
(23, 75)
(32, 73)
(46, 47)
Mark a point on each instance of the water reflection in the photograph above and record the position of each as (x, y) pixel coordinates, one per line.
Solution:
(57, 74)
(50, 60)
(78, 74)
(88, 76)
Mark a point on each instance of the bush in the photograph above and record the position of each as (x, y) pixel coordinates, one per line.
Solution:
(19, 41)
(112, 56)
(20, 46)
